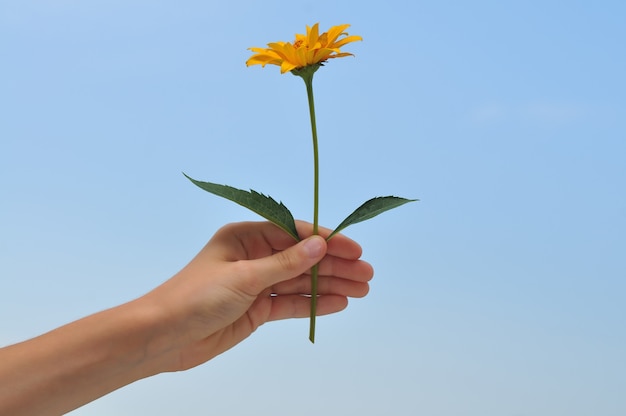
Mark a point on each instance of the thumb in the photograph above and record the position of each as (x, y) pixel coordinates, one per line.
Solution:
(289, 263)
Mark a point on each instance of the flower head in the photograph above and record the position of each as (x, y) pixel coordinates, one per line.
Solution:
(309, 49)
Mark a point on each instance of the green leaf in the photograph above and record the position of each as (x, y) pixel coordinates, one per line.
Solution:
(370, 209)
(263, 205)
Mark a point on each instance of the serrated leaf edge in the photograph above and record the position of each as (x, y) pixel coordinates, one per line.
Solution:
(289, 227)
(348, 221)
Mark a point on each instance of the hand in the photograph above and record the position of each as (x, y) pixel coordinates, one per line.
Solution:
(249, 274)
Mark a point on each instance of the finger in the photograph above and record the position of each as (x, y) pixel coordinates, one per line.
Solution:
(305, 229)
(251, 240)
(325, 286)
(357, 270)
(339, 245)
(286, 307)
(284, 265)
(338, 270)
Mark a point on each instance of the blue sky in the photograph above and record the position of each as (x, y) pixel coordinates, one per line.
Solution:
(500, 293)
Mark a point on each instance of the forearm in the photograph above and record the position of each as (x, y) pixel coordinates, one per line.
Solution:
(79, 362)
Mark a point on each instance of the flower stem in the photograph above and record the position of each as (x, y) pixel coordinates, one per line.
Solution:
(316, 169)
(306, 73)
(308, 81)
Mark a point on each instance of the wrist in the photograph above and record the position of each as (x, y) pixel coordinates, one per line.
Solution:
(153, 331)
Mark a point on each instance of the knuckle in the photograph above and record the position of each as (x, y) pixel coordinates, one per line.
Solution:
(246, 273)
(285, 261)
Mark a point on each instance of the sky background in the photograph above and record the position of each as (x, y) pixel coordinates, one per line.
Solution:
(502, 292)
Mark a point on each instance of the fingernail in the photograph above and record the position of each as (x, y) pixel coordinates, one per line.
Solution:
(314, 247)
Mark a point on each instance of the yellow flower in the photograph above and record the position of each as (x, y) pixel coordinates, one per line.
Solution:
(309, 49)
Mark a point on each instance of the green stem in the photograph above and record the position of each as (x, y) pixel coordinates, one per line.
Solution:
(308, 81)
(316, 170)
(314, 270)
(306, 73)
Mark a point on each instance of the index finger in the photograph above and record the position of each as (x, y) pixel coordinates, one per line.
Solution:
(339, 246)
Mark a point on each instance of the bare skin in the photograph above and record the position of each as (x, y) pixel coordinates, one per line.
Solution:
(247, 274)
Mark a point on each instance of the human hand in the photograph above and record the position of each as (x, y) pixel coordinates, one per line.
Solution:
(249, 274)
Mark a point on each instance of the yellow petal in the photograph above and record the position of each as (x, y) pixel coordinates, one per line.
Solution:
(312, 34)
(286, 67)
(334, 32)
(322, 54)
(342, 42)
(308, 49)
